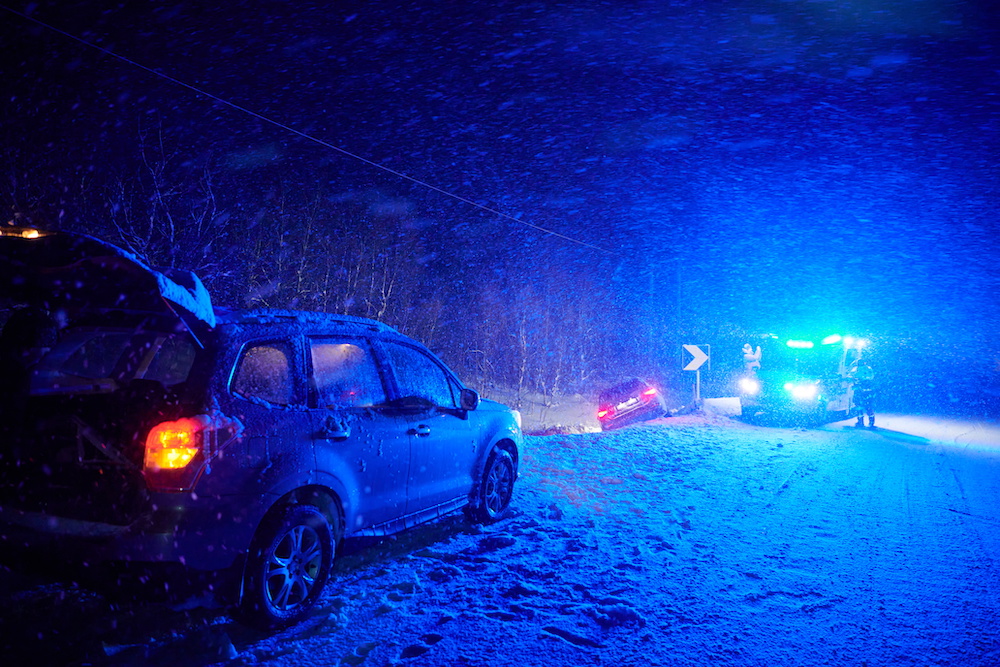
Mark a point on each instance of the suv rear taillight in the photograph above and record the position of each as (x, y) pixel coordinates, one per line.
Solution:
(177, 451)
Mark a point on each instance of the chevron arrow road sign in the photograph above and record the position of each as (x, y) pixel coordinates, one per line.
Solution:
(698, 356)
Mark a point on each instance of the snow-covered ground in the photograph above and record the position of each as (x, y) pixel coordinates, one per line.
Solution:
(689, 540)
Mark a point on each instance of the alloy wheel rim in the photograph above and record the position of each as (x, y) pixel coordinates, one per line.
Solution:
(292, 567)
(498, 485)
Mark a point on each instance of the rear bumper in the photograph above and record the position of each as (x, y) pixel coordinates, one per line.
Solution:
(643, 412)
(198, 539)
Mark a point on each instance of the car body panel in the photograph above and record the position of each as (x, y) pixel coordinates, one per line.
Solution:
(367, 450)
(443, 449)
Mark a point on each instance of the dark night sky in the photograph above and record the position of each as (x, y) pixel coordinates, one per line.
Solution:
(765, 163)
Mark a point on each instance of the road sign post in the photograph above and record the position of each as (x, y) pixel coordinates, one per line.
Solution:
(696, 356)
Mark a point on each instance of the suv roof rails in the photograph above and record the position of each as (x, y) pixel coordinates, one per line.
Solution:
(266, 315)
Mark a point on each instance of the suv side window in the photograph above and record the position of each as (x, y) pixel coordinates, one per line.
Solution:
(344, 374)
(264, 372)
(419, 375)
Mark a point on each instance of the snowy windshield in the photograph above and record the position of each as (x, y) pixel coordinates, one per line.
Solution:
(815, 361)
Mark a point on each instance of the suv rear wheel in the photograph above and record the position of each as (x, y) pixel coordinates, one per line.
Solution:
(288, 566)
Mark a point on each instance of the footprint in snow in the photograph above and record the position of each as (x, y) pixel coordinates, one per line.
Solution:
(436, 555)
(522, 590)
(493, 543)
(527, 526)
(680, 517)
(569, 637)
(625, 565)
(500, 615)
(425, 644)
(614, 613)
(359, 654)
(402, 591)
(660, 543)
(444, 573)
(575, 546)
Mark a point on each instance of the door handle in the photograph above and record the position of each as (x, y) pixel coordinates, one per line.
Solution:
(421, 430)
(341, 433)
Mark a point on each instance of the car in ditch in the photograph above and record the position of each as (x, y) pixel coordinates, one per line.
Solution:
(801, 379)
(629, 401)
(138, 424)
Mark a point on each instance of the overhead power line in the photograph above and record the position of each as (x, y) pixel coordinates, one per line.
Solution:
(304, 135)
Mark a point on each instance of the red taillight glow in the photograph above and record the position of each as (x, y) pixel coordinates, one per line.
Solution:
(179, 452)
(176, 452)
(607, 412)
(650, 392)
(173, 445)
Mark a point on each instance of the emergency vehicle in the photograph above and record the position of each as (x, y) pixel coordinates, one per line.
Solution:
(801, 379)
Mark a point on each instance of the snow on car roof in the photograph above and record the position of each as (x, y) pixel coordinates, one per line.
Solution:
(273, 315)
(194, 298)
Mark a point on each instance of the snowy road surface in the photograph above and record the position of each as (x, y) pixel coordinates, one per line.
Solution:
(686, 541)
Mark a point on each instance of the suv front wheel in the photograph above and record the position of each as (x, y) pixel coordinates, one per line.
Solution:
(495, 488)
(288, 566)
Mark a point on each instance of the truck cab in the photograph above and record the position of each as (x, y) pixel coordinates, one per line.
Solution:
(801, 379)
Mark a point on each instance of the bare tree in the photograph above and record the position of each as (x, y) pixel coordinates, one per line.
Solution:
(168, 214)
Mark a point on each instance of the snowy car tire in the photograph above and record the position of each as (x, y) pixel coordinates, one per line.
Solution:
(496, 487)
(288, 565)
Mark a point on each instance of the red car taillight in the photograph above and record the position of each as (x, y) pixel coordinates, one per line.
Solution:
(173, 445)
(605, 413)
(648, 394)
(177, 451)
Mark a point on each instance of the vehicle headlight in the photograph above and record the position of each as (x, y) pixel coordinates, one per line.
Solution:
(801, 391)
(749, 386)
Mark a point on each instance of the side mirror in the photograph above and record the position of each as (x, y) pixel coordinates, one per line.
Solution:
(469, 399)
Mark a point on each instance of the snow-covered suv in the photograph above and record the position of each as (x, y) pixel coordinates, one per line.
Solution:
(139, 424)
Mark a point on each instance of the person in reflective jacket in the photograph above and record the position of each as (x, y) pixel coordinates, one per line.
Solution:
(864, 393)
